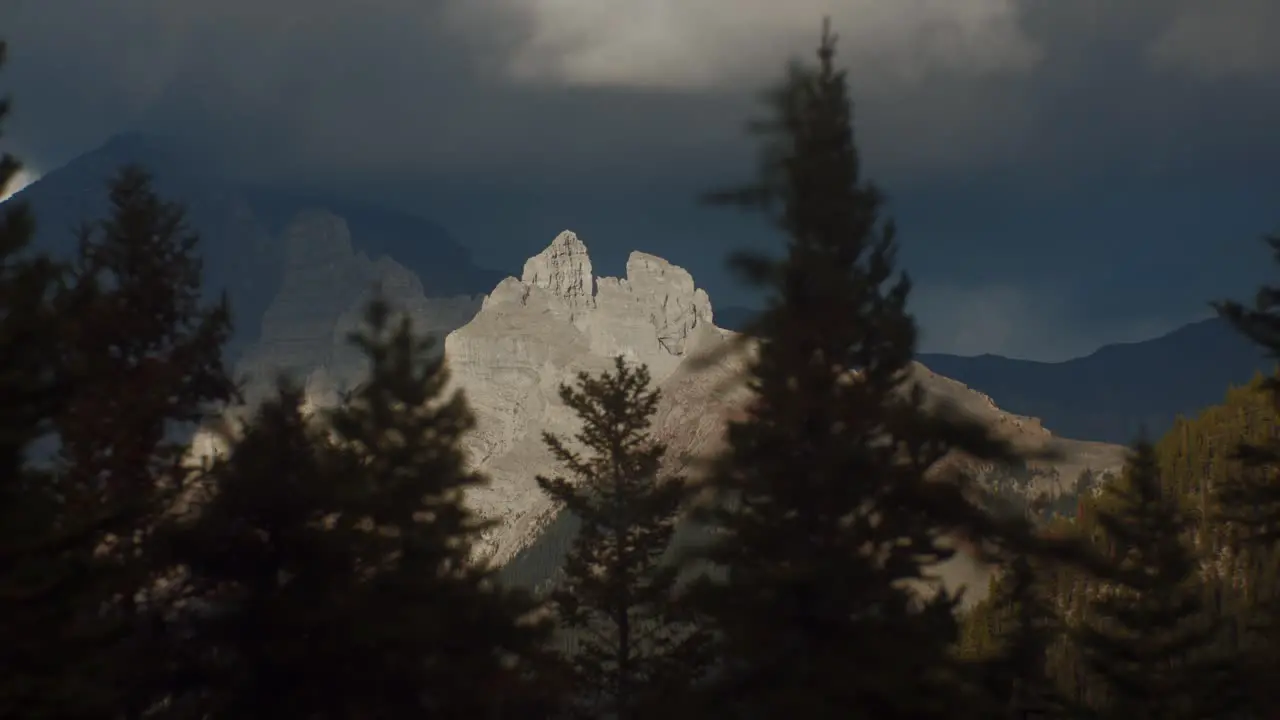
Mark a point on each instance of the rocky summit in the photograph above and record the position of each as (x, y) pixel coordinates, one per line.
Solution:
(541, 330)
(510, 351)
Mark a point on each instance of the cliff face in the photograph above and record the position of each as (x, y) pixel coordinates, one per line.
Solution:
(510, 351)
(541, 330)
(326, 285)
(557, 320)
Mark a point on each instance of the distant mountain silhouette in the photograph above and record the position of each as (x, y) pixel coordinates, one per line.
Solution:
(1119, 390)
(1110, 395)
(240, 225)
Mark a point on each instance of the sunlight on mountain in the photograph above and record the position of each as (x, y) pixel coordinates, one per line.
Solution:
(25, 177)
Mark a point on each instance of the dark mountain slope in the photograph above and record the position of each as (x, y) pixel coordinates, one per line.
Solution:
(1112, 394)
(1109, 395)
(241, 224)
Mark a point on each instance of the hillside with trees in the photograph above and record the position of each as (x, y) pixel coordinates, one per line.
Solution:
(1196, 465)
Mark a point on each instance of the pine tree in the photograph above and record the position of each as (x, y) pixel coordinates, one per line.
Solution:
(1260, 323)
(75, 642)
(1018, 673)
(39, 567)
(266, 580)
(429, 604)
(153, 337)
(1250, 500)
(27, 321)
(829, 516)
(338, 558)
(636, 649)
(1147, 634)
(147, 358)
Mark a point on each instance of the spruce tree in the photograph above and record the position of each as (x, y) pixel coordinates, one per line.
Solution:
(273, 582)
(76, 642)
(266, 581)
(1147, 635)
(337, 557)
(146, 356)
(437, 633)
(1252, 501)
(829, 517)
(42, 562)
(1018, 674)
(27, 320)
(635, 648)
(1249, 502)
(152, 335)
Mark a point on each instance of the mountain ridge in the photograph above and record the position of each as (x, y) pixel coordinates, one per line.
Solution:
(242, 226)
(1112, 394)
(299, 275)
(1119, 391)
(512, 348)
(534, 332)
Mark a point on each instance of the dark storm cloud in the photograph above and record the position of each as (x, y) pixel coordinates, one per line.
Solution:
(377, 83)
(472, 85)
(238, 71)
(1012, 107)
(608, 85)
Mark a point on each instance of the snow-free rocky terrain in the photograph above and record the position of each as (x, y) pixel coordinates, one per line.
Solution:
(325, 287)
(532, 333)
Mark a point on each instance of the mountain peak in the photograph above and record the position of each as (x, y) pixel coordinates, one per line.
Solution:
(564, 270)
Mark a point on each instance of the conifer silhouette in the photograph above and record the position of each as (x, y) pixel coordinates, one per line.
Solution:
(1249, 501)
(833, 503)
(335, 561)
(1147, 634)
(635, 649)
(43, 552)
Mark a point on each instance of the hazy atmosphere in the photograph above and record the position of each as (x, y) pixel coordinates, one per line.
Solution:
(551, 359)
(1065, 174)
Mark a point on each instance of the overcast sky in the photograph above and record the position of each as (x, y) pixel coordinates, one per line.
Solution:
(1065, 173)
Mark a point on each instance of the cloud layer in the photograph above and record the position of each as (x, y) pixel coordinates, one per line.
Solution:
(1218, 39)
(490, 84)
(701, 45)
(638, 104)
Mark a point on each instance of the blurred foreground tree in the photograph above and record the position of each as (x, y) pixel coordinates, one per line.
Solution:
(42, 558)
(1148, 635)
(266, 578)
(1026, 628)
(333, 562)
(148, 357)
(1249, 502)
(834, 498)
(110, 361)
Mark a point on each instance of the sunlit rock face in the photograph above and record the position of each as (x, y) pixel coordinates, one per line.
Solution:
(510, 351)
(541, 330)
(557, 320)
